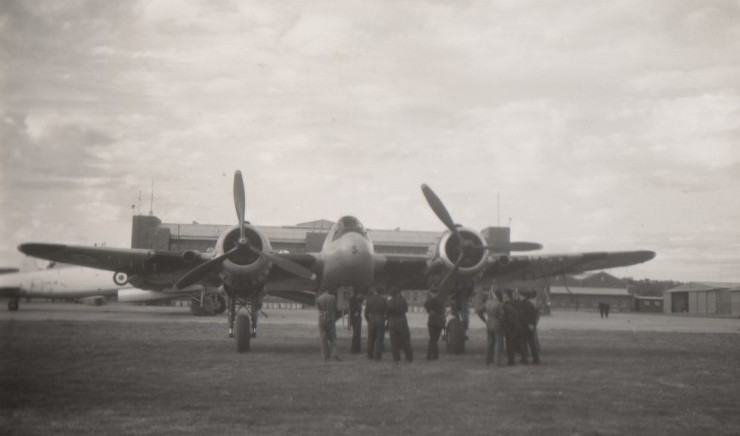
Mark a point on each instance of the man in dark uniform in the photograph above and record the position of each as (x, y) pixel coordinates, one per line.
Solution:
(375, 317)
(528, 318)
(355, 321)
(435, 307)
(510, 323)
(398, 326)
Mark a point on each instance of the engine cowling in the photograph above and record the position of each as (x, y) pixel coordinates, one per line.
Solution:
(246, 269)
(449, 247)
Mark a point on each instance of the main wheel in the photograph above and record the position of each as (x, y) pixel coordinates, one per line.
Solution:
(243, 333)
(455, 336)
(201, 309)
(13, 305)
(219, 304)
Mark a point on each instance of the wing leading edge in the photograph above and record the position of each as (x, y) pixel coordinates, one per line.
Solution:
(535, 267)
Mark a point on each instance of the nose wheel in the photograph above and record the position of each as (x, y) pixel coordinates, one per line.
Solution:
(243, 333)
(242, 327)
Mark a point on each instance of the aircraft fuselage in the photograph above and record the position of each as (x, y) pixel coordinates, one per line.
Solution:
(348, 260)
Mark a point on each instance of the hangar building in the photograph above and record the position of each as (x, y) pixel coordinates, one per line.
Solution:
(585, 293)
(714, 298)
(150, 232)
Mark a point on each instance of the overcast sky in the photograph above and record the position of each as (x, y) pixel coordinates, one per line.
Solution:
(601, 125)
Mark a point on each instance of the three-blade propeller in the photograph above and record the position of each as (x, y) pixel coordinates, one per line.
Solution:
(242, 247)
(466, 246)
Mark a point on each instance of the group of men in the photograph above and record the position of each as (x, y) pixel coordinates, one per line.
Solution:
(511, 325)
(381, 314)
(510, 318)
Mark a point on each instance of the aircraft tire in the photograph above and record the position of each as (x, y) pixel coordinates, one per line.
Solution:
(243, 333)
(219, 304)
(13, 305)
(455, 337)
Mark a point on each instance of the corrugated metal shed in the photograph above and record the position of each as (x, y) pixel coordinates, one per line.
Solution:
(713, 298)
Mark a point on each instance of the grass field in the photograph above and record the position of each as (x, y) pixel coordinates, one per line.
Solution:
(79, 377)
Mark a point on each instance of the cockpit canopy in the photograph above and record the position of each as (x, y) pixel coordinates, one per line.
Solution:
(349, 224)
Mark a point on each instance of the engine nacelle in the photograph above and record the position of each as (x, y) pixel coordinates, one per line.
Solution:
(448, 249)
(245, 270)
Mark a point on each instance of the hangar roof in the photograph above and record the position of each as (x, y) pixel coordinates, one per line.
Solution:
(561, 290)
(298, 233)
(704, 286)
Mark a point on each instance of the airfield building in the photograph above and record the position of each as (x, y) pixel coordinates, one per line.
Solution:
(711, 298)
(648, 304)
(585, 293)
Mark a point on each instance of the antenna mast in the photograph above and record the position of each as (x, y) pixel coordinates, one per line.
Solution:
(151, 201)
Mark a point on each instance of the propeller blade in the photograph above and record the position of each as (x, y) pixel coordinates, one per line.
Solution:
(239, 201)
(287, 264)
(201, 271)
(438, 207)
(443, 285)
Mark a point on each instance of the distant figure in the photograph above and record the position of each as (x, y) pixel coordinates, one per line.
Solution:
(375, 316)
(435, 307)
(606, 309)
(528, 323)
(398, 326)
(491, 313)
(510, 324)
(355, 322)
(326, 304)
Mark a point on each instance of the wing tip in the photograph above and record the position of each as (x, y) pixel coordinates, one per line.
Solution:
(37, 249)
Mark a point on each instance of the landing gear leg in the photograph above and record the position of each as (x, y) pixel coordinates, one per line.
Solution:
(232, 315)
(256, 306)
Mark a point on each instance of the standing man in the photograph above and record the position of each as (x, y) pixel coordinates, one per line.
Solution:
(529, 318)
(326, 304)
(375, 317)
(398, 326)
(490, 312)
(435, 307)
(510, 323)
(355, 321)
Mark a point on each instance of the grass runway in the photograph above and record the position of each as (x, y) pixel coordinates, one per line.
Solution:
(96, 376)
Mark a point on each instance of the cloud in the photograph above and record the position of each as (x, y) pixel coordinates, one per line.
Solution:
(601, 126)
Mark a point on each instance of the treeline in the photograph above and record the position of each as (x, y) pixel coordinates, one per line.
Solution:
(650, 288)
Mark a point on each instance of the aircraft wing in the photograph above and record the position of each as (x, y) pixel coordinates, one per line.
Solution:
(534, 267)
(283, 284)
(128, 260)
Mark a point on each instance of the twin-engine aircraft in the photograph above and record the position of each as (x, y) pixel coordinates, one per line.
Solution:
(246, 268)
